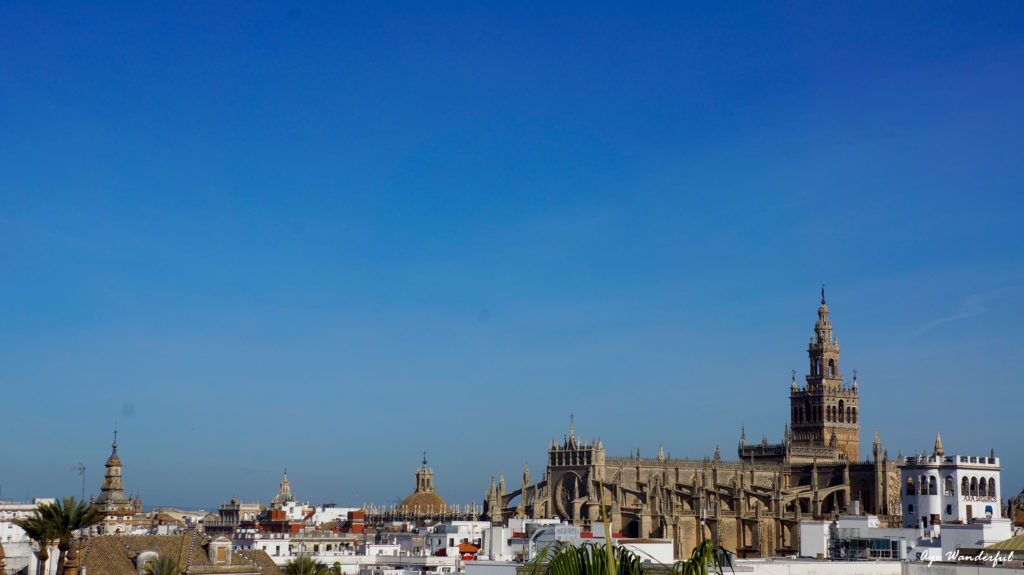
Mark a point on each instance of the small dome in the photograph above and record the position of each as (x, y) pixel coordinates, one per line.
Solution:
(423, 501)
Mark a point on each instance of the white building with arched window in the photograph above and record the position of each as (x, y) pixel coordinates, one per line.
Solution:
(940, 488)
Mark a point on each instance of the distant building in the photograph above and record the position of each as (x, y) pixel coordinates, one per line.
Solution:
(423, 498)
(193, 552)
(752, 505)
(120, 514)
(18, 548)
(423, 506)
(942, 489)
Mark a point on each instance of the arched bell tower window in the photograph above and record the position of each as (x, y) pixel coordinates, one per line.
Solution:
(991, 487)
(854, 419)
(831, 368)
(842, 408)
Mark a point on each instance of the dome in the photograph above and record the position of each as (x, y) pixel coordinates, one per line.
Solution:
(423, 501)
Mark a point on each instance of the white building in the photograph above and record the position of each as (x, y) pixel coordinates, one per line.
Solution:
(18, 548)
(941, 488)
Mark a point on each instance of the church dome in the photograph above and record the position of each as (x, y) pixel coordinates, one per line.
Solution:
(423, 501)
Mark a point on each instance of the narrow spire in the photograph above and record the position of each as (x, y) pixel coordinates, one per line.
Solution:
(115, 437)
(822, 294)
(424, 459)
(938, 452)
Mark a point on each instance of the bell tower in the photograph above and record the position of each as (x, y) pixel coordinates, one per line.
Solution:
(826, 406)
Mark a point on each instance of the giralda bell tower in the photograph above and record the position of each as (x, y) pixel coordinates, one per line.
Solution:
(825, 411)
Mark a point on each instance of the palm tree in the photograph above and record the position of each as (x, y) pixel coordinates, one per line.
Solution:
(162, 566)
(586, 559)
(305, 565)
(42, 533)
(65, 517)
(594, 559)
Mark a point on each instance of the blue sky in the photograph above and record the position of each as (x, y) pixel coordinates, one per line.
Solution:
(326, 237)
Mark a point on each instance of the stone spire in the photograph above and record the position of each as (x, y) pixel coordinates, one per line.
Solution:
(876, 447)
(661, 452)
(284, 492)
(526, 474)
(112, 490)
(938, 452)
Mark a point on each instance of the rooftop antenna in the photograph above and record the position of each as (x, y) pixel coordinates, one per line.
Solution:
(80, 468)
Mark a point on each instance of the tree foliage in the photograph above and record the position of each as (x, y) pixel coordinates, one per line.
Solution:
(305, 565)
(162, 566)
(594, 559)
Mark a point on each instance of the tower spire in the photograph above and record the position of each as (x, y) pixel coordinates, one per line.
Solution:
(822, 294)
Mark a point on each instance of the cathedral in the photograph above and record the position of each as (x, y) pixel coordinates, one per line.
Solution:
(752, 505)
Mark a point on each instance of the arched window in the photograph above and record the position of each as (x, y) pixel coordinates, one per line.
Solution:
(854, 419)
(842, 408)
(949, 485)
(933, 488)
(974, 486)
(965, 487)
(991, 487)
(983, 487)
(831, 368)
(910, 485)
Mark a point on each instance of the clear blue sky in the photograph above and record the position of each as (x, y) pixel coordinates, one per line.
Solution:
(327, 237)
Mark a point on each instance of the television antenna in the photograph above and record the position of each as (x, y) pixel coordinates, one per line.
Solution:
(80, 469)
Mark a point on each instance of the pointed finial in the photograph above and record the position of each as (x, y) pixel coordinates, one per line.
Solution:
(424, 459)
(822, 294)
(572, 428)
(938, 451)
(743, 435)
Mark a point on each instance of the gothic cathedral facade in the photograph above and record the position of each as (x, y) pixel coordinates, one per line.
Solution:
(752, 505)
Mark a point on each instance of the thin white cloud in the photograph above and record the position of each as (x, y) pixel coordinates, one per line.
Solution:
(971, 307)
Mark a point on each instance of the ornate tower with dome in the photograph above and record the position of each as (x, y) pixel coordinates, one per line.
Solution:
(120, 513)
(423, 499)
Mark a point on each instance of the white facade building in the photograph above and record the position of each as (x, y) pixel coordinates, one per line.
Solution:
(18, 548)
(941, 488)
